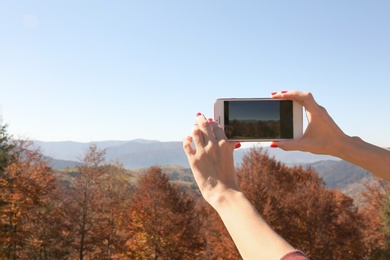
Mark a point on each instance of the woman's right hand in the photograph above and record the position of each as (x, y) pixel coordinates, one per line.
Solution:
(322, 135)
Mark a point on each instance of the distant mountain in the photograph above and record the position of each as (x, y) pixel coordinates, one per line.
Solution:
(132, 154)
(339, 174)
(61, 164)
(141, 153)
(69, 150)
(344, 176)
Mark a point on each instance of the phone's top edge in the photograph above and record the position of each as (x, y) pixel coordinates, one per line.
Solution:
(249, 99)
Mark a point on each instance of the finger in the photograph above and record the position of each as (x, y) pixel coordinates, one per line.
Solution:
(198, 137)
(218, 131)
(236, 144)
(221, 136)
(284, 145)
(187, 146)
(305, 99)
(289, 145)
(206, 128)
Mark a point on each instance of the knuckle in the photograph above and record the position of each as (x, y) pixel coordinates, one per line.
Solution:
(186, 146)
(197, 131)
(204, 124)
(309, 94)
(224, 143)
(323, 108)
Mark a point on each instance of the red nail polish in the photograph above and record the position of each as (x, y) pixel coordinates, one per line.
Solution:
(284, 91)
(274, 146)
(210, 120)
(198, 114)
(274, 93)
(237, 146)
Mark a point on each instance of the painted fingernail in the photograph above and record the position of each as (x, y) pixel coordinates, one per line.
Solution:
(274, 146)
(198, 114)
(210, 120)
(237, 146)
(284, 91)
(274, 93)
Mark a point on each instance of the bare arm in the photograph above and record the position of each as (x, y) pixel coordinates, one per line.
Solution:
(253, 237)
(212, 164)
(323, 136)
(370, 157)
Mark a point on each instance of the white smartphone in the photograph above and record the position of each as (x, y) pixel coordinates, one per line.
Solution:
(259, 119)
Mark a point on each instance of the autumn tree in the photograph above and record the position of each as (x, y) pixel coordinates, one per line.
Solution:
(95, 207)
(218, 243)
(377, 211)
(164, 220)
(113, 231)
(27, 185)
(5, 148)
(294, 201)
(384, 253)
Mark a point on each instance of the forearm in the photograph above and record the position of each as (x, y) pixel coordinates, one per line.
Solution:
(253, 237)
(370, 157)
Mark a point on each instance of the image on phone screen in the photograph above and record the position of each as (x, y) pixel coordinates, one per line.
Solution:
(270, 119)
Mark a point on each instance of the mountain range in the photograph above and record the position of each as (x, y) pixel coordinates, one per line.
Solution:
(138, 154)
(141, 153)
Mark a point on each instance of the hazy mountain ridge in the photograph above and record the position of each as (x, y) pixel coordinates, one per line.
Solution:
(139, 154)
(144, 153)
(345, 176)
(338, 174)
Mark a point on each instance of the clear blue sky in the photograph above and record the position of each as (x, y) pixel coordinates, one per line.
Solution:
(121, 70)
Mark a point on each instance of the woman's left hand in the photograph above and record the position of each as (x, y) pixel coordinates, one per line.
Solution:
(211, 159)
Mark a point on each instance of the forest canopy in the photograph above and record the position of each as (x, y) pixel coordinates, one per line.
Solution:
(101, 213)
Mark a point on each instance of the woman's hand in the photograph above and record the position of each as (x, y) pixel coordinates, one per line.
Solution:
(211, 159)
(212, 164)
(322, 135)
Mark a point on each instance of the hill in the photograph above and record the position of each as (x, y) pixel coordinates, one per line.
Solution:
(144, 153)
(139, 154)
(344, 176)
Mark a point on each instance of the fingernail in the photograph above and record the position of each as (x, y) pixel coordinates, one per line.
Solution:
(274, 146)
(198, 114)
(274, 93)
(237, 146)
(284, 91)
(210, 120)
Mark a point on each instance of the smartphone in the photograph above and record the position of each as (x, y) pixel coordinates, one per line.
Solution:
(259, 119)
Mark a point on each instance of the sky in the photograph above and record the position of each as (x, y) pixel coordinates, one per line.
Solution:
(122, 70)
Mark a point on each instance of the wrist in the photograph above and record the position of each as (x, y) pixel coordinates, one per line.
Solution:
(226, 197)
(347, 147)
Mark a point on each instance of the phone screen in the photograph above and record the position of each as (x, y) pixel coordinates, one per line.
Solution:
(259, 119)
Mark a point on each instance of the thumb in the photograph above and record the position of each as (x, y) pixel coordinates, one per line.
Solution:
(288, 145)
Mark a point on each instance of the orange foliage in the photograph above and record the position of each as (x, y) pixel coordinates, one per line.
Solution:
(100, 215)
(27, 189)
(164, 220)
(94, 209)
(294, 201)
